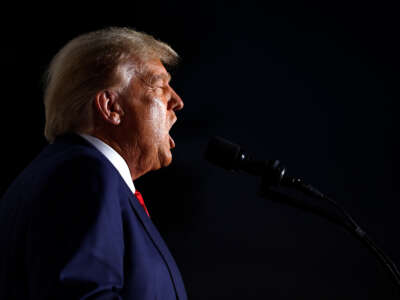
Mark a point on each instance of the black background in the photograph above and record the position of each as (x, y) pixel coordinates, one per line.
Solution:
(313, 84)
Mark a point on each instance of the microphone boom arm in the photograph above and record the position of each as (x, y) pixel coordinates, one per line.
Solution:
(346, 221)
(230, 156)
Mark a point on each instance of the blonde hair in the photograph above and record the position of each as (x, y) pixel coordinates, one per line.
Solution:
(88, 64)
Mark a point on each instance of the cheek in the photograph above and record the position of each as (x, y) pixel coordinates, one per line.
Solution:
(156, 110)
(157, 118)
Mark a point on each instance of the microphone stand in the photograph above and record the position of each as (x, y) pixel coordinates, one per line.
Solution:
(231, 157)
(275, 176)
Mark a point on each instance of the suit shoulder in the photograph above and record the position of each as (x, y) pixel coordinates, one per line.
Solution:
(74, 167)
(77, 158)
(82, 165)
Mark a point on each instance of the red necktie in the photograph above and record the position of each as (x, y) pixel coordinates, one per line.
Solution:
(141, 201)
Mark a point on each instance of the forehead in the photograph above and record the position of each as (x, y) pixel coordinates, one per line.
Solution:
(154, 70)
(149, 72)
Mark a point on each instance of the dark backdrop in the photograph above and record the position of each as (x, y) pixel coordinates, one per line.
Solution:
(312, 84)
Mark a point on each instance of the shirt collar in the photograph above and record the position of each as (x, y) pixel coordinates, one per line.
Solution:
(113, 156)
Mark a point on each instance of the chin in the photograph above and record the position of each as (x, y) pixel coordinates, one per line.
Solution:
(165, 159)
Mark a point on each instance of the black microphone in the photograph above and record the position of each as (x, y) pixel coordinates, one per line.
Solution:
(232, 157)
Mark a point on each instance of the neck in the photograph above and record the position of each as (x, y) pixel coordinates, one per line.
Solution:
(128, 152)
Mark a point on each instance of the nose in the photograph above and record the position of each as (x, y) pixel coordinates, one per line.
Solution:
(175, 103)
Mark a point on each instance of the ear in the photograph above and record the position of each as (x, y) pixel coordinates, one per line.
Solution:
(107, 106)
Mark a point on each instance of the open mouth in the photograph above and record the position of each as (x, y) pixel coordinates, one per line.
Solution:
(171, 142)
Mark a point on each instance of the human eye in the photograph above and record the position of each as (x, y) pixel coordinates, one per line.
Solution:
(158, 89)
(158, 84)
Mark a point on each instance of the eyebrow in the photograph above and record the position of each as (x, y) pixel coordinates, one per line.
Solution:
(162, 76)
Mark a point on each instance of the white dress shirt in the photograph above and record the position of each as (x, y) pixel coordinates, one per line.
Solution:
(113, 156)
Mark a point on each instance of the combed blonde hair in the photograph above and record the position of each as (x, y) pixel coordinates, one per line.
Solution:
(86, 65)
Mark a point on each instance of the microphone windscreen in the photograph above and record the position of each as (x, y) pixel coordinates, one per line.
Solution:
(222, 153)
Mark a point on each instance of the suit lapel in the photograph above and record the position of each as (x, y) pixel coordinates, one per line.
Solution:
(74, 139)
(159, 244)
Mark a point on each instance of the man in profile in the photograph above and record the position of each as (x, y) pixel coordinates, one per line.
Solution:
(72, 225)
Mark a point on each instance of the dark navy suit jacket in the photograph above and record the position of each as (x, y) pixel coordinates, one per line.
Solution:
(70, 228)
